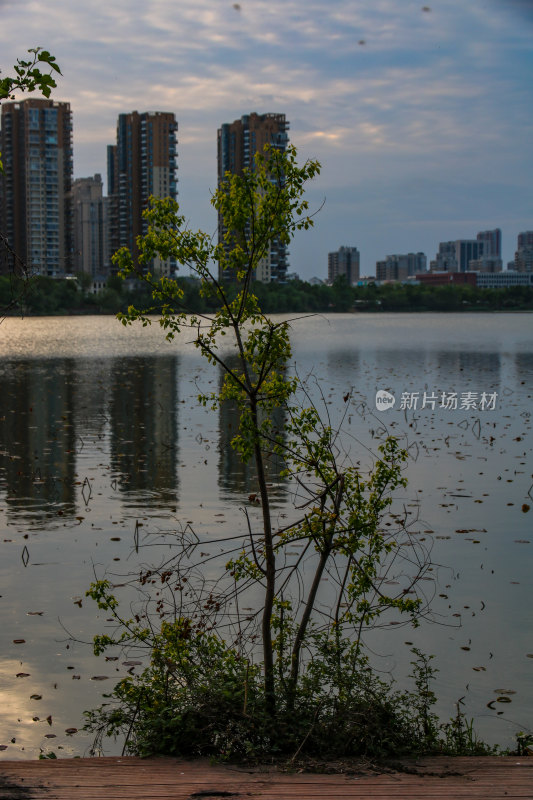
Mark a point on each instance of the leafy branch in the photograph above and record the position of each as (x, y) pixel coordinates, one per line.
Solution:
(29, 76)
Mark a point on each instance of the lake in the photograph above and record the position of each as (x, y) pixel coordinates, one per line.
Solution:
(105, 453)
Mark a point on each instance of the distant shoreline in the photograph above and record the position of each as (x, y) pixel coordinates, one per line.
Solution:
(41, 296)
(353, 312)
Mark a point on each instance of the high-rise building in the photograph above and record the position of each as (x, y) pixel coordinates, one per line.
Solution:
(36, 146)
(523, 258)
(490, 255)
(344, 262)
(492, 242)
(143, 163)
(90, 251)
(237, 144)
(524, 240)
(467, 250)
(445, 260)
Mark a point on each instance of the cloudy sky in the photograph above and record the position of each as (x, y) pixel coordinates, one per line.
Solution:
(421, 115)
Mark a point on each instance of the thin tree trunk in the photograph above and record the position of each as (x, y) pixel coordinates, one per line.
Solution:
(302, 628)
(270, 574)
(311, 597)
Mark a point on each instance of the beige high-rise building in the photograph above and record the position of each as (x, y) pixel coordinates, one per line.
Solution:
(89, 227)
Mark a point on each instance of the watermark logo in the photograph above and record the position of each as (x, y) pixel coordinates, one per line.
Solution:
(384, 400)
(448, 401)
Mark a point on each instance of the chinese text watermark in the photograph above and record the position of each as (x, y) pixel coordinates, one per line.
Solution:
(449, 401)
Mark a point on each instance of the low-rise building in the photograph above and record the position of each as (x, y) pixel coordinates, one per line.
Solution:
(503, 280)
(445, 278)
(400, 267)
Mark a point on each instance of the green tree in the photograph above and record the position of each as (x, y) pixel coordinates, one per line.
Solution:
(342, 294)
(312, 664)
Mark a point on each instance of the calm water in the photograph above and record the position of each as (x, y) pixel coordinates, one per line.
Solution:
(100, 432)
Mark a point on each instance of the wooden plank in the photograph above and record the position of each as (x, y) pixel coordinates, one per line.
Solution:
(174, 779)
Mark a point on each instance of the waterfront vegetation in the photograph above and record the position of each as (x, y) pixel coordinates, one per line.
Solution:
(41, 296)
(264, 660)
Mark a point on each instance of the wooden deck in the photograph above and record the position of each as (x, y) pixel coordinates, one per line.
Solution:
(174, 779)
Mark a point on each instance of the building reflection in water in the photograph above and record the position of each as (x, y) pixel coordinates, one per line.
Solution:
(483, 369)
(37, 456)
(524, 366)
(235, 476)
(58, 416)
(144, 430)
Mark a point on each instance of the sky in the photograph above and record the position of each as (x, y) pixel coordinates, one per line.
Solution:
(421, 115)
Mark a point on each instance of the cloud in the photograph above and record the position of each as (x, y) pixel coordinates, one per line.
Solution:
(428, 94)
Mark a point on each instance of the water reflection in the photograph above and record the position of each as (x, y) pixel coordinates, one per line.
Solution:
(144, 428)
(482, 368)
(92, 382)
(37, 460)
(127, 421)
(234, 475)
(63, 418)
(441, 364)
(366, 370)
(524, 365)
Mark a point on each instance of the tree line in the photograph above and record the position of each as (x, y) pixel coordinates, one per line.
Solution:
(42, 296)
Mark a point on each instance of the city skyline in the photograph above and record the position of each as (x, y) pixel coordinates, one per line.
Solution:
(63, 227)
(422, 120)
